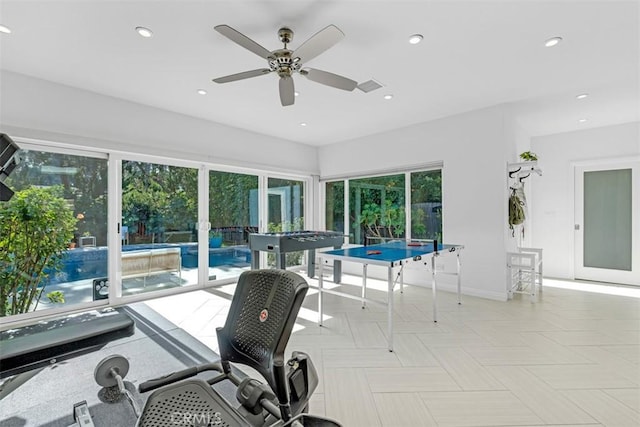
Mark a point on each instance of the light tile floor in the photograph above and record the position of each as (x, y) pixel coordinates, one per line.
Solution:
(572, 359)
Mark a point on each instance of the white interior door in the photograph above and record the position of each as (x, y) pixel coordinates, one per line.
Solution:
(606, 222)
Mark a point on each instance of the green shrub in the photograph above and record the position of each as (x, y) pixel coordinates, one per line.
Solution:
(36, 226)
(383, 221)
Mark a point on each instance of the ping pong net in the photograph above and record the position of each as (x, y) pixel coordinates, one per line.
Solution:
(427, 243)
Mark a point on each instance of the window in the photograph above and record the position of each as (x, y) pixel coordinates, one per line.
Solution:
(426, 205)
(334, 208)
(53, 232)
(377, 209)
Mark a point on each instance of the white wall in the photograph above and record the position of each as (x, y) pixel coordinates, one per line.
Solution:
(474, 150)
(35, 108)
(552, 200)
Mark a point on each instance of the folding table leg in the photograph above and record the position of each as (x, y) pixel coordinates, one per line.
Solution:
(458, 269)
(320, 272)
(390, 307)
(433, 288)
(364, 285)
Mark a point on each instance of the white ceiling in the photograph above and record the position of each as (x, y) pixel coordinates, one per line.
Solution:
(474, 54)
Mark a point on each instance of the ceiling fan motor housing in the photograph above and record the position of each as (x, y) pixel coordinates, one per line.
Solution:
(281, 62)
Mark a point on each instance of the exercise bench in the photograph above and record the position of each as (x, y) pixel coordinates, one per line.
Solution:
(45, 343)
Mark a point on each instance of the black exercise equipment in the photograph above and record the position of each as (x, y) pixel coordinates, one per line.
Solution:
(110, 372)
(27, 350)
(260, 320)
(45, 343)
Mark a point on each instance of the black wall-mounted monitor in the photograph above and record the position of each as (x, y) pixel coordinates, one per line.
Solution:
(8, 162)
(5, 193)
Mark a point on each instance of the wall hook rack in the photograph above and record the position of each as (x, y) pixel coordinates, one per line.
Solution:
(517, 170)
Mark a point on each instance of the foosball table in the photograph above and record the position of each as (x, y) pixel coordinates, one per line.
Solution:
(291, 241)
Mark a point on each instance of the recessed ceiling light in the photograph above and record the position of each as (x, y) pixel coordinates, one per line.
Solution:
(582, 96)
(582, 121)
(303, 124)
(202, 92)
(388, 96)
(415, 39)
(144, 32)
(5, 30)
(296, 93)
(553, 41)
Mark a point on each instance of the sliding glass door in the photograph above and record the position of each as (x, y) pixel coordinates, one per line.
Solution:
(159, 227)
(233, 215)
(86, 229)
(285, 212)
(53, 231)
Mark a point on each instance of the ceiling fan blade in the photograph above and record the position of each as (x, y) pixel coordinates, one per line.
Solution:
(287, 91)
(242, 40)
(318, 43)
(243, 75)
(329, 79)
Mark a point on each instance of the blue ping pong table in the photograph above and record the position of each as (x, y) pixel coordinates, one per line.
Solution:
(391, 254)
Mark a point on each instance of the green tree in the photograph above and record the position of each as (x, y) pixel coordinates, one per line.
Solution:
(36, 226)
(386, 220)
(377, 207)
(334, 206)
(426, 186)
(229, 201)
(426, 205)
(158, 198)
(83, 181)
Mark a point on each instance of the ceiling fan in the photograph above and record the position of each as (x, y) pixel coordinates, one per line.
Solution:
(285, 62)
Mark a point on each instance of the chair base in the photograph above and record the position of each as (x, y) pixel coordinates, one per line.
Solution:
(306, 420)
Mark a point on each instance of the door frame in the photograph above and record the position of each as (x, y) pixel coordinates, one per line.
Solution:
(605, 275)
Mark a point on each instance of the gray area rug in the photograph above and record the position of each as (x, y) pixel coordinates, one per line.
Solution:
(158, 347)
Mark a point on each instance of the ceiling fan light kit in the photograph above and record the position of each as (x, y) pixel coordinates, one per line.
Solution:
(285, 62)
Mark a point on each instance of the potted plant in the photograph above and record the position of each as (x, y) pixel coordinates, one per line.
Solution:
(528, 156)
(215, 239)
(87, 239)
